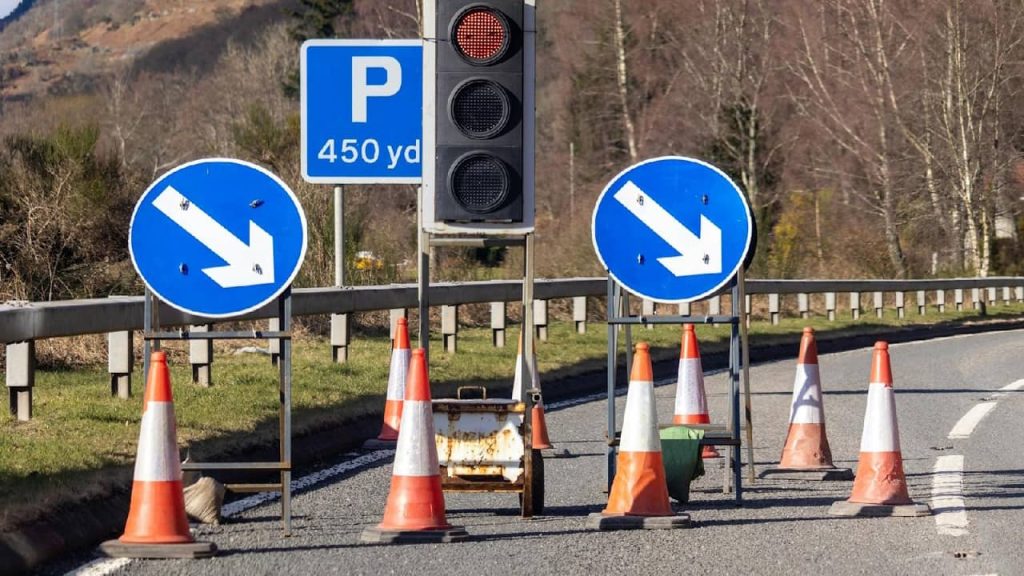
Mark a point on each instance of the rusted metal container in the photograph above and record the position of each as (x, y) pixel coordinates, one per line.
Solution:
(481, 447)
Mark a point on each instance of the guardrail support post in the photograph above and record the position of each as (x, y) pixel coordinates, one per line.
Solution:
(120, 361)
(773, 307)
(877, 301)
(715, 306)
(540, 318)
(748, 307)
(1018, 293)
(498, 313)
(340, 333)
(274, 344)
(579, 313)
(647, 310)
(449, 327)
(803, 303)
(991, 295)
(976, 298)
(855, 305)
(958, 299)
(21, 377)
(900, 305)
(830, 305)
(940, 301)
(393, 315)
(200, 356)
(921, 301)
(684, 309)
(1006, 294)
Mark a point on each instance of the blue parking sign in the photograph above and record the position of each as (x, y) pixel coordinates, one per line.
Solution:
(362, 107)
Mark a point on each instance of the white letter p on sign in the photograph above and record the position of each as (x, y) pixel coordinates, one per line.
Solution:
(362, 89)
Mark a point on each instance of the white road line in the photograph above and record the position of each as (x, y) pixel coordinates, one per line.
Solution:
(947, 496)
(1015, 386)
(966, 425)
(100, 567)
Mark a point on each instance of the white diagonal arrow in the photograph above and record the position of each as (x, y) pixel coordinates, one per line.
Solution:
(248, 264)
(697, 254)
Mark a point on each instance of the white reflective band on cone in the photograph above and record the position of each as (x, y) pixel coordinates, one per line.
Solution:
(642, 433)
(880, 431)
(157, 459)
(806, 406)
(689, 399)
(399, 372)
(416, 452)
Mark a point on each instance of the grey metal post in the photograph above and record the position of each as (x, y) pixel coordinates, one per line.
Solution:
(613, 356)
(579, 313)
(340, 336)
(803, 302)
(21, 377)
(450, 327)
(423, 280)
(274, 344)
(200, 356)
(684, 309)
(540, 318)
(285, 322)
(940, 300)
(773, 307)
(647, 310)
(830, 305)
(499, 313)
(900, 307)
(855, 305)
(120, 362)
(879, 307)
(393, 315)
(958, 299)
(921, 302)
(340, 331)
(734, 391)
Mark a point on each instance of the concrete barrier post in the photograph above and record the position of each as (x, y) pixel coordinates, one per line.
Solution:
(449, 327)
(499, 312)
(877, 301)
(21, 377)
(976, 298)
(200, 356)
(715, 306)
(274, 344)
(855, 305)
(120, 362)
(647, 310)
(1018, 293)
(684, 309)
(540, 318)
(803, 303)
(340, 333)
(1006, 294)
(940, 301)
(393, 315)
(958, 298)
(991, 295)
(901, 310)
(773, 308)
(579, 313)
(830, 305)
(922, 300)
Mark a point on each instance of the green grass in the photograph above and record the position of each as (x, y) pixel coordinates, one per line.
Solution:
(81, 440)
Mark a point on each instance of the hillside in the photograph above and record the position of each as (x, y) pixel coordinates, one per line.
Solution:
(59, 47)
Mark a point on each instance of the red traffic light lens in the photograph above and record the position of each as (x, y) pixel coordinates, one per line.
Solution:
(481, 35)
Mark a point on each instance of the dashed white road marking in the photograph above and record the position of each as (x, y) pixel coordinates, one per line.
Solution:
(966, 425)
(947, 496)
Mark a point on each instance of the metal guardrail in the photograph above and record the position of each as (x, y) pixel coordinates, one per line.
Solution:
(35, 321)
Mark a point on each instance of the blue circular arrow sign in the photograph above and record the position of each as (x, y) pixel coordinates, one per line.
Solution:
(217, 237)
(672, 229)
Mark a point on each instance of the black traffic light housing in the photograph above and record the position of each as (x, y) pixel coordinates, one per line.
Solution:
(480, 165)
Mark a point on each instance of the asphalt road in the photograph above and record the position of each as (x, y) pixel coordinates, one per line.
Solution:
(783, 528)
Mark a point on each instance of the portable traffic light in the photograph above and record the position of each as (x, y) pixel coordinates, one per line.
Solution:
(478, 116)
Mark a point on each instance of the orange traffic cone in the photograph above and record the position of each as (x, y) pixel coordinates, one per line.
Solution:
(396, 388)
(691, 403)
(880, 488)
(540, 440)
(157, 526)
(639, 494)
(806, 455)
(415, 508)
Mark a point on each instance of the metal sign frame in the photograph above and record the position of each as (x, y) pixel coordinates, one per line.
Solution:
(618, 315)
(152, 336)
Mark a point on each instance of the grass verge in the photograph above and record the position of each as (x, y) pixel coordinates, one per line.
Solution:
(81, 442)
